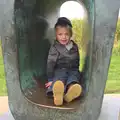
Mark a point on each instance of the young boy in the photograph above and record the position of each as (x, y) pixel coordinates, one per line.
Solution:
(63, 65)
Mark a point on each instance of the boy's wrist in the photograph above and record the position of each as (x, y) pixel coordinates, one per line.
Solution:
(50, 79)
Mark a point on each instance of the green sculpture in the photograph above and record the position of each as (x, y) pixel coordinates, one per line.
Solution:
(25, 48)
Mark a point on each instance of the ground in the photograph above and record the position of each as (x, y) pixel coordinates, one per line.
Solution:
(110, 108)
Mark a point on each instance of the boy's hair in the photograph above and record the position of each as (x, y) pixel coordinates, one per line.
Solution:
(64, 22)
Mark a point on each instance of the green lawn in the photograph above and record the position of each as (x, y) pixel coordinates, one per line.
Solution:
(3, 90)
(112, 86)
(113, 82)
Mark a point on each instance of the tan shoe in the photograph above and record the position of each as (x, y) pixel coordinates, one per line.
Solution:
(58, 92)
(73, 92)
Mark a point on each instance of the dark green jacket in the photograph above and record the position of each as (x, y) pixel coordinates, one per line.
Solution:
(59, 57)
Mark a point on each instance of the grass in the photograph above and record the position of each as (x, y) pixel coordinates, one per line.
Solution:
(113, 82)
(3, 90)
(112, 86)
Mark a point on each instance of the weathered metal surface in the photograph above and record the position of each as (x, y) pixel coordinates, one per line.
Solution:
(25, 51)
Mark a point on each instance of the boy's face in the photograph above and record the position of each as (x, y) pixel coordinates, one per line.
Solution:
(63, 34)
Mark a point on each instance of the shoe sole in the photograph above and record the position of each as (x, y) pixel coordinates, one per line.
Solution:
(58, 92)
(73, 92)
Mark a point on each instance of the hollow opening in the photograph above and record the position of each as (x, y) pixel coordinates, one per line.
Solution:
(35, 34)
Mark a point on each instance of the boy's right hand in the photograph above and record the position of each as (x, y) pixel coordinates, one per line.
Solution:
(48, 84)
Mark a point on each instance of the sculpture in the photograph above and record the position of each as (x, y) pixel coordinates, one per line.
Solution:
(20, 55)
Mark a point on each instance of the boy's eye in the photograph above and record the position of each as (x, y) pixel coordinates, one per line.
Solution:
(66, 34)
(60, 34)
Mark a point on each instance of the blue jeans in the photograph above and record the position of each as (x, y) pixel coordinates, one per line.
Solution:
(66, 76)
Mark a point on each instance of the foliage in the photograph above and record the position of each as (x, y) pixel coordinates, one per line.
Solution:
(77, 31)
(117, 35)
(80, 33)
(116, 47)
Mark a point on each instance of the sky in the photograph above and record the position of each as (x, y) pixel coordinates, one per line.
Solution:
(72, 10)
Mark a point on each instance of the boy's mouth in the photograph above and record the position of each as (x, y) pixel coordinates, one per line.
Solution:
(64, 40)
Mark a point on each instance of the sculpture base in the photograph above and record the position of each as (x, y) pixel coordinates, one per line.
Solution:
(110, 109)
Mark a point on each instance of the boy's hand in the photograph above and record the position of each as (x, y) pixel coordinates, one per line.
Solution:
(48, 84)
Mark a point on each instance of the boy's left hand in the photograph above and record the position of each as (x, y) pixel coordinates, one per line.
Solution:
(48, 84)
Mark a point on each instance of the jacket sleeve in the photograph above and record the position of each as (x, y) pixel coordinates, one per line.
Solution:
(51, 62)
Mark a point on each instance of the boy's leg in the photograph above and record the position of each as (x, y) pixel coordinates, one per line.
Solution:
(74, 89)
(57, 87)
(58, 92)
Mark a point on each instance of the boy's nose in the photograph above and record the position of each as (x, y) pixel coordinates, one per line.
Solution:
(64, 37)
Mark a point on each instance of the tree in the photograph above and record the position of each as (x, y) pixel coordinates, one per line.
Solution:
(80, 33)
(117, 35)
